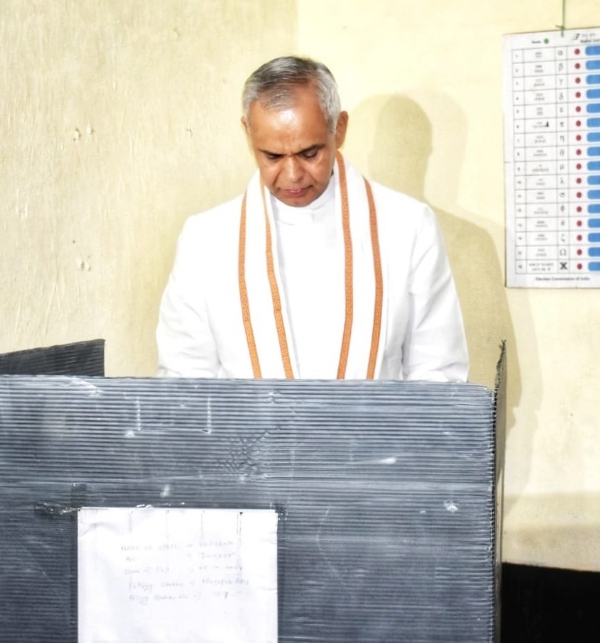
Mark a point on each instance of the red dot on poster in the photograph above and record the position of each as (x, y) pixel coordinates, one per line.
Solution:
(578, 166)
(579, 266)
(577, 65)
(578, 137)
(578, 80)
(579, 223)
(579, 180)
(579, 237)
(578, 108)
(578, 195)
(577, 94)
(578, 123)
(579, 209)
(579, 251)
(577, 51)
(578, 152)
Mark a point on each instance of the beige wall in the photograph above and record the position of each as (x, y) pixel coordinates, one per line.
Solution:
(423, 84)
(120, 117)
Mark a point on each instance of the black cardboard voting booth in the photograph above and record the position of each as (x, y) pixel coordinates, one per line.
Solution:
(78, 358)
(386, 494)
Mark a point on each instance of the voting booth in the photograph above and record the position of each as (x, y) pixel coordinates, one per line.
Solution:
(171, 511)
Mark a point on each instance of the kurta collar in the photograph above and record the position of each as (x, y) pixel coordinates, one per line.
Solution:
(290, 215)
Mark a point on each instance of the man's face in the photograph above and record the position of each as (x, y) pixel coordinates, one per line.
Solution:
(294, 148)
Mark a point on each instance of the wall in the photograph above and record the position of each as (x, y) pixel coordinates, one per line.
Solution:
(121, 118)
(423, 85)
(116, 120)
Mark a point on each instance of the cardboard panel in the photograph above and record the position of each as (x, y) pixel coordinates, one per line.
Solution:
(386, 493)
(79, 358)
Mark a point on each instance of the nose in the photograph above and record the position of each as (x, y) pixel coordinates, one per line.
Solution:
(293, 171)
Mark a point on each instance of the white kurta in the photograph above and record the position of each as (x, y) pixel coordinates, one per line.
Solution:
(201, 329)
(311, 264)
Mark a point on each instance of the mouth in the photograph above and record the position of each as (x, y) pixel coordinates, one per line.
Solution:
(295, 193)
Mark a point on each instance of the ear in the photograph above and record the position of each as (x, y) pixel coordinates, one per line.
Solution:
(340, 129)
(246, 128)
(245, 125)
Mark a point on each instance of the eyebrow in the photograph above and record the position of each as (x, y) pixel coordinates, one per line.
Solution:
(312, 148)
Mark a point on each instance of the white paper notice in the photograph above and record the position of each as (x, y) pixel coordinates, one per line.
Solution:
(158, 575)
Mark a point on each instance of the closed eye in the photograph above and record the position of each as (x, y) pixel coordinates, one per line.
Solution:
(310, 153)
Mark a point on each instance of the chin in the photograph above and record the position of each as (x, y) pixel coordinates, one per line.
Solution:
(299, 203)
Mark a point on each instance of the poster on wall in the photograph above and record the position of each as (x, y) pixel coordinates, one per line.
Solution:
(552, 158)
(174, 575)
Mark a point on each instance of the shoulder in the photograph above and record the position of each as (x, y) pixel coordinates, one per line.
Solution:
(400, 211)
(393, 200)
(394, 208)
(209, 236)
(406, 226)
(218, 220)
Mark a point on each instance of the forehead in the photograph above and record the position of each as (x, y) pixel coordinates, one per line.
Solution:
(300, 116)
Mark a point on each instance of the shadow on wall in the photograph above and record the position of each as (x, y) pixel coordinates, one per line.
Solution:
(565, 526)
(391, 139)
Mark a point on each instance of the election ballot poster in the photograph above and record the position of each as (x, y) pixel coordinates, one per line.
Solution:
(175, 575)
(552, 158)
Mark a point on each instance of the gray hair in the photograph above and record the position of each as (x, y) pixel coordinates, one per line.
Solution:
(273, 85)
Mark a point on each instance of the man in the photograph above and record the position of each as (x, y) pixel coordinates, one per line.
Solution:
(314, 272)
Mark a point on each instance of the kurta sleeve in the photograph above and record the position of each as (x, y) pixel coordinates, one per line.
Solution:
(435, 346)
(186, 346)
